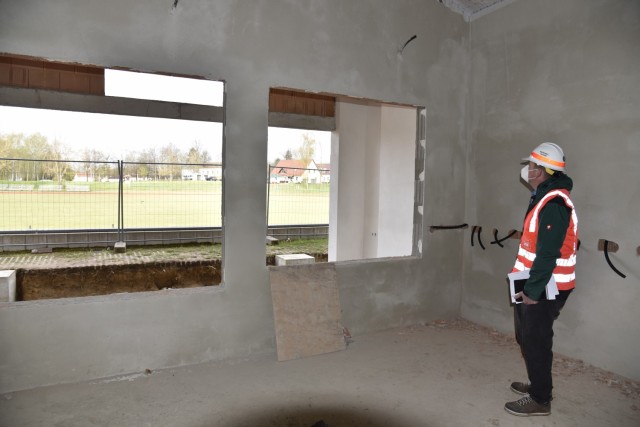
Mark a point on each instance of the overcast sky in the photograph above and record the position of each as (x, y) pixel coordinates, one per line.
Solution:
(117, 135)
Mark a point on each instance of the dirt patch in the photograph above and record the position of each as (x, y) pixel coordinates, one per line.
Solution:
(104, 280)
(70, 282)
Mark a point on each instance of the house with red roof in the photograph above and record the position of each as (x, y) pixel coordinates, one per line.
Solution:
(295, 171)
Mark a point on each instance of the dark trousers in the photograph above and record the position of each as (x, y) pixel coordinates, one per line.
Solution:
(534, 333)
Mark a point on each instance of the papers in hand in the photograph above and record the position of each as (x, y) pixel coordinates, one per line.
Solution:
(519, 278)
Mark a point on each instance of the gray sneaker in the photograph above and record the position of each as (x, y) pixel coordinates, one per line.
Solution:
(526, 407)
(520, 388)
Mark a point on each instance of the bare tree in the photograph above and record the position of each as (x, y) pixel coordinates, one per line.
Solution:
(307, 150)
(58, 167)
(198, 155)
(170, 154)
(35, 147)
(151, 158)
(9, 145)
(93, 159)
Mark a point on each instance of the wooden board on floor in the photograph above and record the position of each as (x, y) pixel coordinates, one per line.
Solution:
(306, 309)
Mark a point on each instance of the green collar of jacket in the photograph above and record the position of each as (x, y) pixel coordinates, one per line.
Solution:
(558, 181)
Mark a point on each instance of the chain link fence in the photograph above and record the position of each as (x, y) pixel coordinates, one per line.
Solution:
(80, 197)
(298, 196)
(46, 195)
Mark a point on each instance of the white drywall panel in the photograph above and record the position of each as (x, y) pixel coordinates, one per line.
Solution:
(350, 187)
(397, 176)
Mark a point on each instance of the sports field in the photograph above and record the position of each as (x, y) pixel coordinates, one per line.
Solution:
(146, 204)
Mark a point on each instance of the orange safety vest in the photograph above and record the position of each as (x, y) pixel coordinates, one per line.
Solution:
(565, 271)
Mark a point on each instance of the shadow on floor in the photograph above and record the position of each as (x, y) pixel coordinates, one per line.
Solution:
(319, 417)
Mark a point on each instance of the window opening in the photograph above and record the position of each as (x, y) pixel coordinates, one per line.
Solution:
(131, 84)
(299, 174)
(60, 172)
(374, 196)
(375, 180)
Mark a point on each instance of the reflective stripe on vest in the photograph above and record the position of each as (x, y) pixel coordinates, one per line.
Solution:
(564, 272)
(551, 194)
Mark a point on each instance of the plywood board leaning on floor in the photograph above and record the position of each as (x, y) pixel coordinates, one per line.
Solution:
(306, 310)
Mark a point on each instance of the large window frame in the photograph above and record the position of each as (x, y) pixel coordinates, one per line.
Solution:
(34, 83)
(355, 241)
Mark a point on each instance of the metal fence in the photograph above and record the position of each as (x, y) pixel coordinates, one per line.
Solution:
(298, 196)
(80, 197)
(46, 195)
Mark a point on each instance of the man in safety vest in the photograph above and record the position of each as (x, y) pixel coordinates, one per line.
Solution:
(547, 251)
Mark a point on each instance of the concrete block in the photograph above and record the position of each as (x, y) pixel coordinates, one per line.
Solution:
(120, 247)
(271, 240)
(294, 259)
(41, 251)
(7, 285)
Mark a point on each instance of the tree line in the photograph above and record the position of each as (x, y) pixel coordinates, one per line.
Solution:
(304, 153)
(53, 160)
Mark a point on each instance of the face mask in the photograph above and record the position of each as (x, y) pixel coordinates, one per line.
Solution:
(524, 173)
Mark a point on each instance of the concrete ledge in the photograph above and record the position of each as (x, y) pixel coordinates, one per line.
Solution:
(294, 259)
(7, 285)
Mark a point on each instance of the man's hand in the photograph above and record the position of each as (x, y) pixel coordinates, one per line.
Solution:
(525, 298)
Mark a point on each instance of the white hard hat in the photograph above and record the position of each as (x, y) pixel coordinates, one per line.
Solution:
(549, 155)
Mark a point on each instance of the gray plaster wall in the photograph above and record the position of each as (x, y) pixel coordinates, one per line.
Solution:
(336, 46)
(568, 72)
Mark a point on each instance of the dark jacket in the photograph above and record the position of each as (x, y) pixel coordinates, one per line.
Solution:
(556, 214)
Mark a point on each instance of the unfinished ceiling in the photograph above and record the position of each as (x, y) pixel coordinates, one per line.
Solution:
(472, 9)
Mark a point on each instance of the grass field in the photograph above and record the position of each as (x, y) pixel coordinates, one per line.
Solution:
(146, 204)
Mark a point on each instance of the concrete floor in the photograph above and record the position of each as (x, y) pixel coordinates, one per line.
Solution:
(442, 374)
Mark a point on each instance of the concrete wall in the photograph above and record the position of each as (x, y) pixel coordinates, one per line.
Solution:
(335, 46)
(568, 72)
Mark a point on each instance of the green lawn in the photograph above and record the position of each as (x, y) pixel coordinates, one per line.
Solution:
(147, 204)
